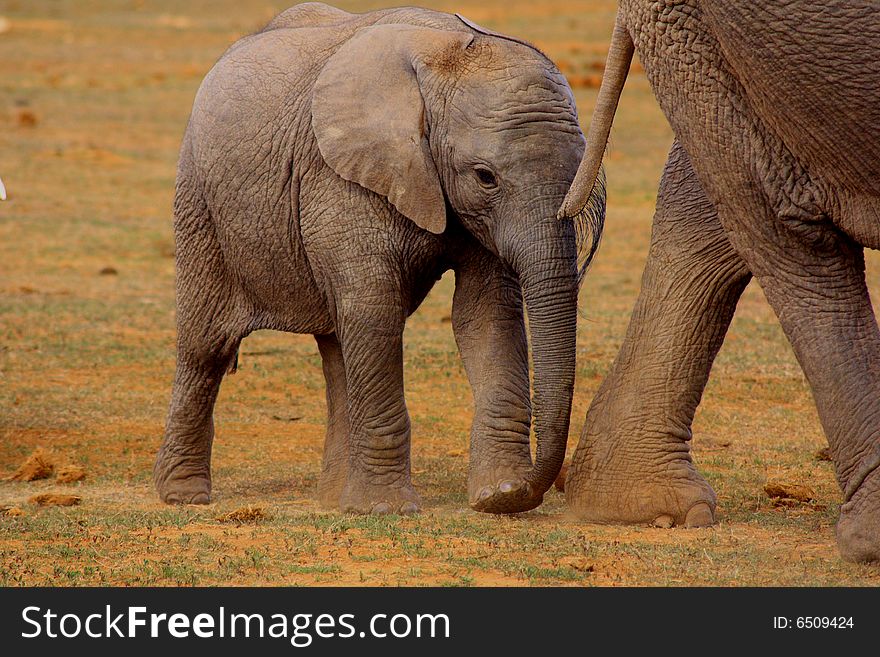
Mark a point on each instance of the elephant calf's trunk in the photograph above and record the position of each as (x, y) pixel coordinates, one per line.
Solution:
(553, 328)
(620, 56)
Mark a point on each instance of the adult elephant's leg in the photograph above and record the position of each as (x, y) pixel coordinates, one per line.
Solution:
(814, 278)
(334, 465)
(633, 461)
(487, 318)
(370, 330)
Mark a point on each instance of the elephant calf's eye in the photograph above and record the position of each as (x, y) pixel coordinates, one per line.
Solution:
(487, 178)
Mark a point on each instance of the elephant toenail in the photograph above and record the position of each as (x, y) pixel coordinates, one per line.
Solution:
(507, 486)
(382, 508)
(200, 498)
(485, 494)
(664, 521)
(700, 515)
(408, 508)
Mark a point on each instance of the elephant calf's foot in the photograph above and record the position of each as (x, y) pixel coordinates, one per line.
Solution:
(502, 490)
(858, 529)
(359, 496)
(671, 494)
(508, 496)
(180, 481)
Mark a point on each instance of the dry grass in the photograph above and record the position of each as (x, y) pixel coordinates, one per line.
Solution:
(93, 100)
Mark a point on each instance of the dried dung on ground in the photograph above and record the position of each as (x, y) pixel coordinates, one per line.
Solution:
(37, 466)
(55, 499)
(776, 490)
(70, 474)
(247, 515)
(26, 118)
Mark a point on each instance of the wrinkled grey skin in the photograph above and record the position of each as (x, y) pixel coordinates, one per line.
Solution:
(775, 174)
(334, 167)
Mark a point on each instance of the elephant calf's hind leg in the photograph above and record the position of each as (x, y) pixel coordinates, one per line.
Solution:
(334, 465)
(182, 472)
(210, 327)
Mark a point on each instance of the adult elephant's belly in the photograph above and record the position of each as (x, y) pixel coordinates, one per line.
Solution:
(860, 217)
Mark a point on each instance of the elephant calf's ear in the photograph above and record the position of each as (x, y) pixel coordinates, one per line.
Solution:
(369, 117)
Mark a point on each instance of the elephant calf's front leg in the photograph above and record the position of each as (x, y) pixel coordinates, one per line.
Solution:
(487, 318)
(379, 445)
(633, 461)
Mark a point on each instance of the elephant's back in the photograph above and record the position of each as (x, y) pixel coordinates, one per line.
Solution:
(318, 14)
(309, 14)
(254, 102)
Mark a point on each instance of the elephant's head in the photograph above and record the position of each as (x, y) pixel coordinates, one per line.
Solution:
(473, 127)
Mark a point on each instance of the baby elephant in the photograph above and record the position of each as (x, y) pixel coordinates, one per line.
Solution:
(335, 165)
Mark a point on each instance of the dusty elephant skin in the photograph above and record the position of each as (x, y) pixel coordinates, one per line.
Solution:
(335, 165)
(775, 174)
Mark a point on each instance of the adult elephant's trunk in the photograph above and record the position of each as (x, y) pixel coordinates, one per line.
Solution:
(617, 65)
(548, 275)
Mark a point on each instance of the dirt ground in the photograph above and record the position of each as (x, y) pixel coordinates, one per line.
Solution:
(93, 101)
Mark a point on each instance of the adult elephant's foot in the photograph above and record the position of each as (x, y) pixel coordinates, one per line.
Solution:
(330, 490)
(502, 488)
(364, 497)
(182, 479)
(858, 529)
(331, 483)
(613, 482)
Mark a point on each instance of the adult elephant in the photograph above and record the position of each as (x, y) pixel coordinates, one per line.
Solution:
(775, 174)
(335, 165)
